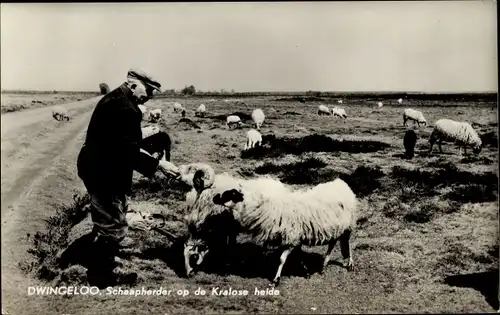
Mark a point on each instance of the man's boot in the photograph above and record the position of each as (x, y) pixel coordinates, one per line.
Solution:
(100, 272)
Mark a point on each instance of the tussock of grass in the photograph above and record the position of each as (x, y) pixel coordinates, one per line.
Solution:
(186, 122)
(415, 211)
(474, 193)
(158, 188)
(489, 139)
(46, 245)
(477, 160)
(448, 174)
(309, 163)
(274, 146)
(291, 113)
(363, 181)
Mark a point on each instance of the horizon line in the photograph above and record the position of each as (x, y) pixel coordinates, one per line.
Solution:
(275, 92)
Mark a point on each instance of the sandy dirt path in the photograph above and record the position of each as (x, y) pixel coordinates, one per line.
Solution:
(33, 145)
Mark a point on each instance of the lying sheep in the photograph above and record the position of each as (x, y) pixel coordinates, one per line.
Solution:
(380, 104)
(154, 115)
(323, 110)
(60, 113)
(415, 115)
(339, 112)
(258, 118)
(149, 131)
(233, 122)
(254, 138)
(275, 215)
(461, 133)
(400, 101)
(157, 145)
(409, 142)
(200, 111)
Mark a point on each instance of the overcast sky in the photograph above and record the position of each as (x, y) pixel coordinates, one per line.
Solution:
(295, 46)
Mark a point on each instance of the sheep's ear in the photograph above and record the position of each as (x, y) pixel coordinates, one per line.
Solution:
(198, 181)
(217, 199)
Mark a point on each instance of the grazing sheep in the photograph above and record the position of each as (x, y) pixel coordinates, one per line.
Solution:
(380, 104)
(149, 131)
(409, 141)
(415, 115)
(340, 112)
(60, 113)
(258, 118)
(339, 101)
(254, 138)
(461, 133)
(178, 107)
(200, 111)
(211, 225)
(400, 101)
(323, 110)
(233, 122)
(275, 215)
(154, 115)
(157, 145)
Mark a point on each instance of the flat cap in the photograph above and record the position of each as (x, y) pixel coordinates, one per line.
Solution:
(144, 77)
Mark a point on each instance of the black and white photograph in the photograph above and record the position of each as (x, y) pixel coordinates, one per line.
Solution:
(288, 157)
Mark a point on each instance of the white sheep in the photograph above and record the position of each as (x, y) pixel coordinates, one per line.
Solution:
(415, 115)
(60, 113)
(233, 122)
(178, 107)
(340, 112)
(149, 131)
(461, 133)
(380, 104)
(400, 101)
(339, 101)
(201, 111)
(254, 138)
(144, 111)
(275, 214)
(323, 110)
(154, 115)
(258, 118)
(201, 210)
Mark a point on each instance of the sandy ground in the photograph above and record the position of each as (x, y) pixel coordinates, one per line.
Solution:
(31, 142)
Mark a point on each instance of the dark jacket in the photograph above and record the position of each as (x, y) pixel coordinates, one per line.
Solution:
(111, 150)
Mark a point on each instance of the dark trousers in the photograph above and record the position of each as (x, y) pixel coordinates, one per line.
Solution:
(110, 227)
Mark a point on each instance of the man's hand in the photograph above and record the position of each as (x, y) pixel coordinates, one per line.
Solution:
(169, 169)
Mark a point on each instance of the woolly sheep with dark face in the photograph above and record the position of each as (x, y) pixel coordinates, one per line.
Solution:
(275, 215)
(155, 115)
(60, 113)
(201, 111)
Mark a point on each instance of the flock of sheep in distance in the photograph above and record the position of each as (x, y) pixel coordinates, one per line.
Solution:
(272, 212)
